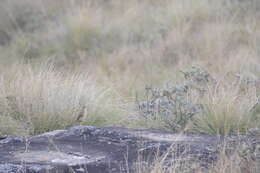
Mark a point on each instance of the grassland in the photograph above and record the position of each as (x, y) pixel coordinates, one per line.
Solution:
(64, 63)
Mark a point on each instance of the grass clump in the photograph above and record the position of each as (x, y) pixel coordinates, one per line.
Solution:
(41, 99)
(230, 108)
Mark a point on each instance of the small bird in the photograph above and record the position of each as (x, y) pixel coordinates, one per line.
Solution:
(81, 114)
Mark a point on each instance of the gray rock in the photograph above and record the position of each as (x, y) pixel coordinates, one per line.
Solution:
(254, 131)
(101, 150)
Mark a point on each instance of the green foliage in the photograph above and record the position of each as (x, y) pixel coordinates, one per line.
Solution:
(169, 105)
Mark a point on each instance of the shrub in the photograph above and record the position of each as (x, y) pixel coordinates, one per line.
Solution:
(211, 107)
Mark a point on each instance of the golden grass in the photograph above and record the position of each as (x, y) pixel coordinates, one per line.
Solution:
(225, 164)
(228, 109)
(64, 63)
(40, 99)
(103, 53)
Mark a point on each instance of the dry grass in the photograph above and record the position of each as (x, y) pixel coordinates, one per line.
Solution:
(228, 109)
(125, 49)
(225, 164)
(88, 57)
(39, 99)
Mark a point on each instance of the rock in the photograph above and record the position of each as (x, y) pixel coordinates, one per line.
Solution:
(101, 150)
(254, 131)
(2, 137)
(4, 38)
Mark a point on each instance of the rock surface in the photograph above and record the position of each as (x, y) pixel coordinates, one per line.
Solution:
(101, 150)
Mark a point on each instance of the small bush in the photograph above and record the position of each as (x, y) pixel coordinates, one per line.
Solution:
(204, 104)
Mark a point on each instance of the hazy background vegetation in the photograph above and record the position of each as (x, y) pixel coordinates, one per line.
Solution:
(65, 58)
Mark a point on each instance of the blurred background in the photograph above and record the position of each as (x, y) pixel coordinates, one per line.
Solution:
(61, 58)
